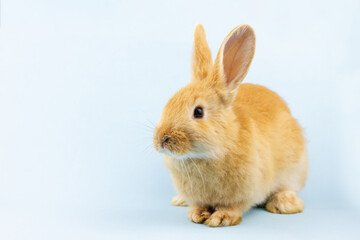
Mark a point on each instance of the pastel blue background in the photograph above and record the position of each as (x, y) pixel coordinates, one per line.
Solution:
(81, 83)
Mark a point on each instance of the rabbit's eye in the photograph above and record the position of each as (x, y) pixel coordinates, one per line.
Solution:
(198, 112)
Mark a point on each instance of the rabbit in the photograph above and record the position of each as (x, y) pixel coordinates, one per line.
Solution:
(230, 146)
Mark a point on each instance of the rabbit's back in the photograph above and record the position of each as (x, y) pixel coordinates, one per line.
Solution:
(273, 125)
(260, 103)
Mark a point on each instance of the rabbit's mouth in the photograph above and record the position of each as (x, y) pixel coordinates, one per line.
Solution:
(180, 151)
(173, 155)
(186, 156)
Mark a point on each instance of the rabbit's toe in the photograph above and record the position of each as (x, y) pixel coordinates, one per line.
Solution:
(198, 214)
(223, 218)
(285, 202)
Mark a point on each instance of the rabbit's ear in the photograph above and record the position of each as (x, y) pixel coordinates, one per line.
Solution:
(234, 57)
(201, 57)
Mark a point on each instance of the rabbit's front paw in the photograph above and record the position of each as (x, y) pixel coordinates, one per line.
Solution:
(198, 214)
(222, 218)
(178, 201)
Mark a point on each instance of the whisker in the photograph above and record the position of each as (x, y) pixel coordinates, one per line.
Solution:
(152, 124)
(148, 131)
(150, 127)
(147, 148)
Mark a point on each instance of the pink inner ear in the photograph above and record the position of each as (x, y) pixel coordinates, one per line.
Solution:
(237, 54)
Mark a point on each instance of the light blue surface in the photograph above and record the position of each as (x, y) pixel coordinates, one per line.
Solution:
(82, 82)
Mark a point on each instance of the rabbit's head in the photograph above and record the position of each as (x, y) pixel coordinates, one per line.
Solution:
(194, 121)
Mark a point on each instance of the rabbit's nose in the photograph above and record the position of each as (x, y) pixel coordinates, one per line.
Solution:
(165, 140)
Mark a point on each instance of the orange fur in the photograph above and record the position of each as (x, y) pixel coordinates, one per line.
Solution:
(247, 148)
